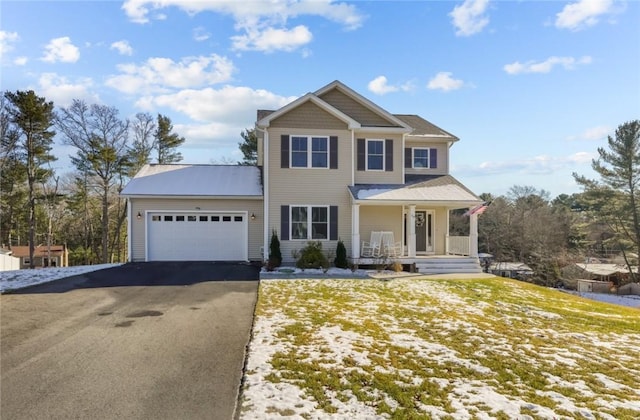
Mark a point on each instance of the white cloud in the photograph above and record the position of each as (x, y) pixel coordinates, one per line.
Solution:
(594, 133)
(161, 74)
(444, 81)
(583, 13)
(20, 61)
(537, 165)
(271, 39)
(569, 63)
(231, 104)
(263, 25)
(61, 49)
(62, 92)
(380, 86)
(200, 34)
(122, 47)
(469, 18)
(7, 39)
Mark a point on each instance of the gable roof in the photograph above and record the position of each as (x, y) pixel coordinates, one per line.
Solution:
(423, 128)
(195, 181)
(22, 251)
(265, 117)
(430, 188)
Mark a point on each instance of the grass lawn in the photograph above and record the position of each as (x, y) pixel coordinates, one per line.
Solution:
(444, 349)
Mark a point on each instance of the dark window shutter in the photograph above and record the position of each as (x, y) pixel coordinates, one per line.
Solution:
(333, 223)
(284, 151)
(388, 155)
(433, 158)
(284, 223)
(407, 157)
(362, 154)
(333, 152)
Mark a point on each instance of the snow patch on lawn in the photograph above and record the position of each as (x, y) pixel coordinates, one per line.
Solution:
(19, 279)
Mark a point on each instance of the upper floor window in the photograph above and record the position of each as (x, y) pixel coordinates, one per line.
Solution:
(420, 157)
(375, 155)
(309, 152)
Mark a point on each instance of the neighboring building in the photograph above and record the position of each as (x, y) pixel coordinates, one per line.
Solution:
(514, 270)
(616, 273)
(43, 256)
(331, 165)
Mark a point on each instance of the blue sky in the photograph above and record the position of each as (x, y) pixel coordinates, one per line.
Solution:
(532, 89)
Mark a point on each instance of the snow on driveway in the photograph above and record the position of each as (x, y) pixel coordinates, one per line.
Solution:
(19, 279)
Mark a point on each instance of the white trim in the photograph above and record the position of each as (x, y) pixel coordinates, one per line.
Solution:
(196, 197)
(364, 101)
(266, 121)
(366, 155)
(353, 157)
(129, 229)
(265, 189)
(395, 130)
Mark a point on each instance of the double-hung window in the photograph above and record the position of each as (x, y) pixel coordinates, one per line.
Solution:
(420, 157)
(309, 152)
(375, 155)
(309, 222)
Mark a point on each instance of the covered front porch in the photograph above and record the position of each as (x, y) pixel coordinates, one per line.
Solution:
(410, 224)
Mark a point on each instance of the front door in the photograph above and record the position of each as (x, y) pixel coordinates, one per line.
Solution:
(424, 231)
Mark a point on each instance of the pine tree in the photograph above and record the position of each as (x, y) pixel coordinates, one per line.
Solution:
(615, 199)
(167, 142)
(32, 118)
(249, 147)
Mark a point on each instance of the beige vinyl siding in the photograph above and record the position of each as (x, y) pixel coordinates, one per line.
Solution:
(310, 186)
(308, 115)
(381, 177)
(376, 218)
(441, 230)
(141, 205)
(260, 136)
(443, 157)
(355, 110)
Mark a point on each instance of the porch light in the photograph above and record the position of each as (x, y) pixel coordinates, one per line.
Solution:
(253, 216)
(139, 216)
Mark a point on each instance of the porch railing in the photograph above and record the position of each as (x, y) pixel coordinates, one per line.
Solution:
(458, 245)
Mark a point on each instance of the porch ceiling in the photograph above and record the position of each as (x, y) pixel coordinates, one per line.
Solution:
(442, 190)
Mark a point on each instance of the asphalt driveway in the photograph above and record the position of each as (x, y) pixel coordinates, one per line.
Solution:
(139, 341)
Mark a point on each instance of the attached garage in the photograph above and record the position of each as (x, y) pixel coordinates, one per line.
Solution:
(179, 236)
(195, 213)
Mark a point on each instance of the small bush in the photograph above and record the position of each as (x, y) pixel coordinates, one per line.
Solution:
(275, 255)
(341, 256)
(311, 256)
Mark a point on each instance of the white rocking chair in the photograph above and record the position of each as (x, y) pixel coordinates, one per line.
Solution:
(391, 248)
(373, 248)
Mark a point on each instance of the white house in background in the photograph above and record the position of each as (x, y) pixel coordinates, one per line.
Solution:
(332, 165)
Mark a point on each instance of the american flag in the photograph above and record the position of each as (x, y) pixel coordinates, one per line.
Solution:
(479, 209)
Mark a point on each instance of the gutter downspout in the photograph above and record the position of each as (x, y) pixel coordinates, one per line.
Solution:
(265, 192)
(129, 222)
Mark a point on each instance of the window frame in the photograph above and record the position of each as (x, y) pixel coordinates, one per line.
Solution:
(413, 158)
(310, 152)
(367, 155)
(310, 222)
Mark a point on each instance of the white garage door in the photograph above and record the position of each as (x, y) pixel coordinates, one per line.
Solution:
(181, 236)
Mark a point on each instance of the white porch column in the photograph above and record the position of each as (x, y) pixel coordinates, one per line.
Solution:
(355, 230)
(473, 236)
(411, 239)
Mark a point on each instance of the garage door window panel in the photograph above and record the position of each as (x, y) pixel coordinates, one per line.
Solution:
(179, 218)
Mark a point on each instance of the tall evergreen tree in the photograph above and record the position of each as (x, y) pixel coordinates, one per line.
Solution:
(167, 142)
(249, 147)
(100, 138)
(32, 118)
(615, 198)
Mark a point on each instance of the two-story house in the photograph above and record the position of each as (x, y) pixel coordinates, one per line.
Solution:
(331, 165)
